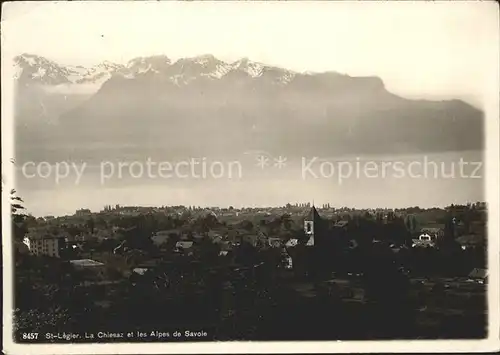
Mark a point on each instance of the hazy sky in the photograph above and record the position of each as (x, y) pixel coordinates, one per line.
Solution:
(418, 48)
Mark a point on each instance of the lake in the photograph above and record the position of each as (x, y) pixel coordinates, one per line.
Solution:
(256, 179)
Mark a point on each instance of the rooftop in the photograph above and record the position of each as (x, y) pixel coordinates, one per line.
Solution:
(470, 239)
(341, 223)
(313, 215)
(86, 263)
(184, 244)
(41, 235)
(478, 273)
(431, 229)
(168, 232)
(292, 242)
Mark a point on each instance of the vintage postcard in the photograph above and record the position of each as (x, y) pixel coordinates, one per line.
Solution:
(250, 177)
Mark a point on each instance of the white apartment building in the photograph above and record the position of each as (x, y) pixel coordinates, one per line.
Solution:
(38, 245)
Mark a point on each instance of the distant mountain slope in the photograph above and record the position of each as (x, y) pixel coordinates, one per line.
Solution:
(32, 69)
(203, 106)
(46, 89)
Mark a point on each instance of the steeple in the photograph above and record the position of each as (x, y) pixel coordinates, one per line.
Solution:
(313, 215)
(312, 225)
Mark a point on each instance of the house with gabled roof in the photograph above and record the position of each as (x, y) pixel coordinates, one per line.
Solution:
(341, 224)
(184, 247)
(161, 237)
(478, 274)
(434, 232)
(292, 242)
(275, 242)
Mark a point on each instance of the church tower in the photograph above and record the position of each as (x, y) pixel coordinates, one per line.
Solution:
(312, 226)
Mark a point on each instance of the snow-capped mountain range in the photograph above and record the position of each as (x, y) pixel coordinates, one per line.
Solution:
(204, 105)
(47, 90)
(33, 69)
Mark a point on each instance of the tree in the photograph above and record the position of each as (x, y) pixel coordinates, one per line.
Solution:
(91, 225)
(408, 224)
(247, 225)
(16, 201)
(414, 225)
(449, 229)
(246, 253)
(137, 238)
(207, 222)
(208, 251)
(19, 228)
(286, 221)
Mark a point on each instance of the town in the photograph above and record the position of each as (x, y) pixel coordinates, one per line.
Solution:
(296, 272)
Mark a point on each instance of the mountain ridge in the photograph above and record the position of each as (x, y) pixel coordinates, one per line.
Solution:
(141, 65)
(205, 105)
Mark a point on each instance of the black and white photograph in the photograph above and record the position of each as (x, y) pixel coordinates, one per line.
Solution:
(246, 176)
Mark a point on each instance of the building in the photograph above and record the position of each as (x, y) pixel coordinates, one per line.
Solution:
(479, 275)
(184, 247)
(480, 206)
(293, 242)
(471, 241)
(286, 259)
(274, 242)
(83, 212)
(162, 237)
(86, 264)
(342, 224)
(140, 270)
(39, 244)
(314, 228)
(424, 241)
(434, 232)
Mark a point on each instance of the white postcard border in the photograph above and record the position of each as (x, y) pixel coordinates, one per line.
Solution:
(491, 91)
